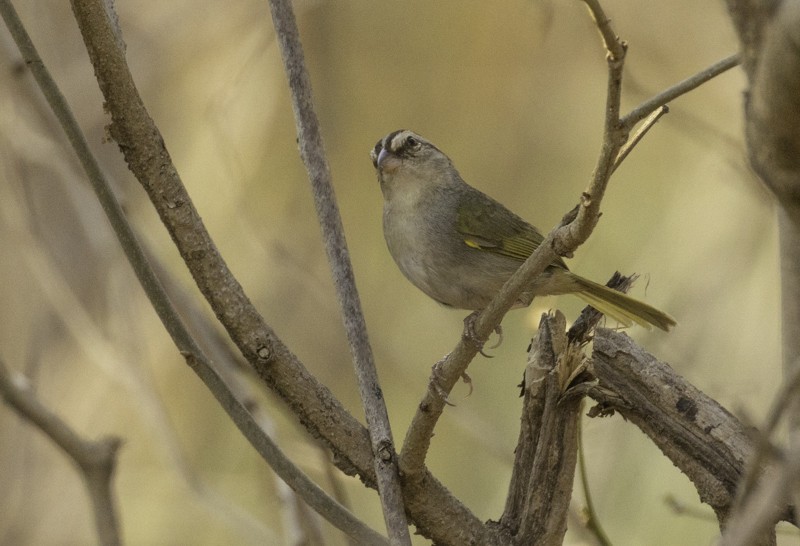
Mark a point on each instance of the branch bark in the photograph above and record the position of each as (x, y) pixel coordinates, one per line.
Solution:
(540, 489)
(696, 433)
(561, 241)
(313, 153)
(316, 497)
(317, 409)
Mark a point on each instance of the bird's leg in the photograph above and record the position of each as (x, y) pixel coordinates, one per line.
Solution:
(470, 335)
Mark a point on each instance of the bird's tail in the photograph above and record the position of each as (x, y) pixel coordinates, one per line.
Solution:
(619, 306)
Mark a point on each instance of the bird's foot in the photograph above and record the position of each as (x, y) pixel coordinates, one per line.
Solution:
(435, 384)
(470, 335)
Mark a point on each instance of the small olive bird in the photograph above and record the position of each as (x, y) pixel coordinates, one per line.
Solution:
(459, 246)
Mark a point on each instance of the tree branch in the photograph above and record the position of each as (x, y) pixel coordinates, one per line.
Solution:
(312, 494)
(313, 153)
(698, 435)
(561, 241)
(540, 489)
(681, 88)
(769, 33)
(643, 129)
(144, 150)
(614, 46)
(143, 147)
(96, 460)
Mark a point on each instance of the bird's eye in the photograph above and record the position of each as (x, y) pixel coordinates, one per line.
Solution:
(412, 143)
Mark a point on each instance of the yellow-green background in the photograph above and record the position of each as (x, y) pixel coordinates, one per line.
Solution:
(514, 92)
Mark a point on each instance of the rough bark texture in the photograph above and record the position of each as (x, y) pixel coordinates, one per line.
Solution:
(701, 437)
(544, 465)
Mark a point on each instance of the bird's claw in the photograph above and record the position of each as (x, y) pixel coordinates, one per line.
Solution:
(468, 380)
(499, 331)
(472, 337)
(436, 387)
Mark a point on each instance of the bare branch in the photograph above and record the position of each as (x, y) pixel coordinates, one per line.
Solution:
(649, 106)
(144, 149)
(612, 43)
(648, 124)
(149, 160)
(697, 434)
(96, 460)
(155, 291)
(561, 241)
(540, 489)
(313, 154)
(569, 237)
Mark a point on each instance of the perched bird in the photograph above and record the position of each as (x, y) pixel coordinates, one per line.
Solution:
(459, 246)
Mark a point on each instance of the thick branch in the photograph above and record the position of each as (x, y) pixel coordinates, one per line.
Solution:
(539, 493)
(320, 412)
(769, 32)
(317, 498)
(698, 435)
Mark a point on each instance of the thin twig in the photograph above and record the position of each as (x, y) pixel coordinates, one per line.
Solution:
(321, 413)
(681, 88)
(313, 154)
(96, 460)
(561, 241)
(612, 43)
(574, 234)
(282, 465)
(592, 520)
(643, 129)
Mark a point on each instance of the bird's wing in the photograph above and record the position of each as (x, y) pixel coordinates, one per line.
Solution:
(487, 225)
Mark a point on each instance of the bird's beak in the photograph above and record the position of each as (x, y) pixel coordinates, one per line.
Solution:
(387, 162)
(382, 156)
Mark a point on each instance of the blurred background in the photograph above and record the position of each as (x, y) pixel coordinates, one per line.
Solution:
(514, 94)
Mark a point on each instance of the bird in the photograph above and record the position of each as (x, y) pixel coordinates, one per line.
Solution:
(459, 246)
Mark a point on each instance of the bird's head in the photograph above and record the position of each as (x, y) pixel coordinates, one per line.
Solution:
(405, 161)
